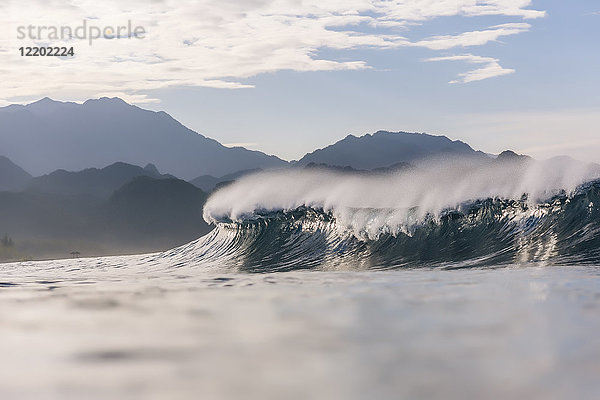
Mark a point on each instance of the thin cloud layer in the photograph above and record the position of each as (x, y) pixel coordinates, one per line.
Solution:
(474, 38)
(490, 69)
(222, 43)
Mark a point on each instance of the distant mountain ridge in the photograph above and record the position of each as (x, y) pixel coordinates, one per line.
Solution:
(384, 149)
(209, 183)
(92, 181)
(12, 177)
(48, 135)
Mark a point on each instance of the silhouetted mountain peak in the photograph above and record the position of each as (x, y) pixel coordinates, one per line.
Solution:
(109, 104)
(113, 100)
(50, 135)
(151, 168)
(91, 181)
(107, 100)
(382, 149)
(47, 101)
(47, 106)
(509, 155)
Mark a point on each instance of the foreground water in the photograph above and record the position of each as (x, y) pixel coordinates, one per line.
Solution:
(130, 327)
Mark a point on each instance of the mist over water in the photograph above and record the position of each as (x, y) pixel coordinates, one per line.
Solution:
(452, 213)
(371, 204)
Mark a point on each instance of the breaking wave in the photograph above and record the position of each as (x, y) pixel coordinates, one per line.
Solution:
(444, 214)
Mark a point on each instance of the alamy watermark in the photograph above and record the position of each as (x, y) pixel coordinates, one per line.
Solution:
(84, 31)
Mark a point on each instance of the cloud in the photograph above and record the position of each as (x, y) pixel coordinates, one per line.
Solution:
(221, 44)
(474, 38)
(491, 67)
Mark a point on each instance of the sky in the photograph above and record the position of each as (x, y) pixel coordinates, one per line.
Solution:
(288, 76)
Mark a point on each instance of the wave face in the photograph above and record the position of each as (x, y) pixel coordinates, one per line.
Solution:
(441, 215)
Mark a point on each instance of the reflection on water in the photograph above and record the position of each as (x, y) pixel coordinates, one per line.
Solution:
(118, 328)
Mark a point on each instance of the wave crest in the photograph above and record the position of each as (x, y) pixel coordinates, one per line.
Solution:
(559, 225)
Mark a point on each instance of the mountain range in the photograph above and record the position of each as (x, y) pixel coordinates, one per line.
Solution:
(48, 135)
(71, 175)
(145, 214)
(384, 149)
(92, 181)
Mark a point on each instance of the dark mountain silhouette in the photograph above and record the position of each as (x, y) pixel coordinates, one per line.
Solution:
(165, 212)
(12, 177)
(509, 155)
(384, 149)
(209, 182)
(144, 215)
(48, 135)
(92, 181)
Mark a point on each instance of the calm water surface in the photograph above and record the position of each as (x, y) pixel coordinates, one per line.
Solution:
(131, 328)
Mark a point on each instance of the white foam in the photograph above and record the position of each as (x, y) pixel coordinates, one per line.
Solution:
(370, 204)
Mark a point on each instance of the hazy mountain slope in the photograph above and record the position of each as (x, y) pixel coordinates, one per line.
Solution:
(157, 212)
(209, 182)
(144, 215)
(383, 149)
(48, 135)
(12, 177)
(92, 181)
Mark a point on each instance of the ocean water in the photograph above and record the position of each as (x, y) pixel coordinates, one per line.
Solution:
(137, 328)
(454, 282)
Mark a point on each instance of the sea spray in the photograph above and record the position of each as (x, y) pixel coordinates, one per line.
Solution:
(371, 204)
(448, 214)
